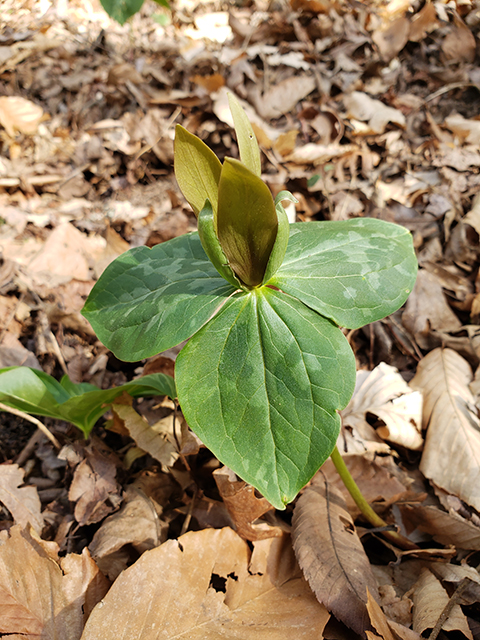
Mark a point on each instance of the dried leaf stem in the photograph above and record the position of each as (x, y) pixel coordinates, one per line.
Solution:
(367, 511)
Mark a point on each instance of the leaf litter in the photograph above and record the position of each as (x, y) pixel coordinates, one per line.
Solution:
(359, 111)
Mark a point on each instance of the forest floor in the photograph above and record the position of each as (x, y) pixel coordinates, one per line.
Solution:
(361, 109)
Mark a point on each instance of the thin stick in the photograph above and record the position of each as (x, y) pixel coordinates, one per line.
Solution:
(363, 505)
(37, 423)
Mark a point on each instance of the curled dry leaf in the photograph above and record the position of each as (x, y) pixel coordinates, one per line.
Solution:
(136, 523)
(451, 457)
(207, 585)
(158, 440)
(94, 487)
(39, 598)
(283, 97)
(244, 507)
(331, 555)
(429, 599)
(445, 528)
(384, 393)
(22, 502)
(375, 113)
(19, 114)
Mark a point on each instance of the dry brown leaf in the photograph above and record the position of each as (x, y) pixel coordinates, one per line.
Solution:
(378, 618)
(384, 393)
(459, 45)
(429, 599)
(64, 257)
(38, 598)
(375, 113)
(208, 584)
(451, 457)
(376, 482)
(158, 440)
(331, 555)
(391, 38)
(423, 23)
(427, 310)
(136, 523)
(19, 114)
(22, 502)
(244, 507)
(466, 130)
(94, 487)
(282, 97)
(445, 528)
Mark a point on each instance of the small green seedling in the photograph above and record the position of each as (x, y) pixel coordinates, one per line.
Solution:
(266, 367)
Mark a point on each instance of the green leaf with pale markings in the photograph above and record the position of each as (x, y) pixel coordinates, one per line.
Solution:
(246, 221)
(197, 170)
(261, 384)
(246, 138)
(148, 300)
(354, 271)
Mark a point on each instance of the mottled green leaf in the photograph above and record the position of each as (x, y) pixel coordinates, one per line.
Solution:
(197, 170)
(121, 10)
(354, 272)
(246, 221)
(212, 246)
(261, 384)
(37, 393)
(148, 300)
(246, 138)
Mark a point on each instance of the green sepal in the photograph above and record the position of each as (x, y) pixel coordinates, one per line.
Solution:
(246, 221)
(197, 170)
(212, 246)
(280, 246)
(246, 138)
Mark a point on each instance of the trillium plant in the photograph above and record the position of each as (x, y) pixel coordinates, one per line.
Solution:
(266, 367)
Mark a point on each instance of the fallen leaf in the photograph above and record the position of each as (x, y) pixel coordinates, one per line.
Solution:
(244, 507)
(446, 528)
(63, 257)
(384, 393)
(37, 598)
(208, 584)
(378, 619)
(158, 439)
(331, 555)
(282, 97)
(427, 310)
(22, 502)
(94, 486)
(451, 457)
(423, 22)
(429, 599)
(19, 114)
(459, 45)
(136, 523)
(392, 37)
(378, 115)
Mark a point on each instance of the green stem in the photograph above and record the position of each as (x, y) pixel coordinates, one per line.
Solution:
(367, 511)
